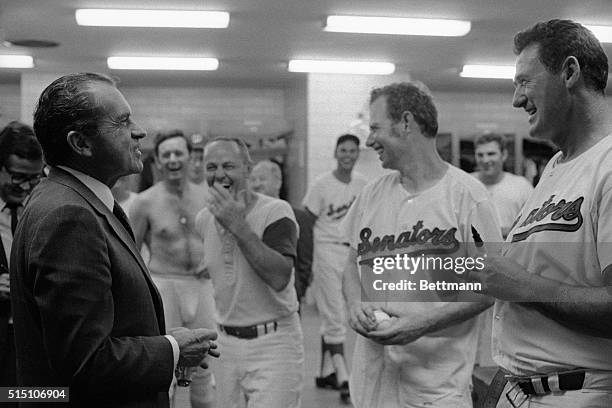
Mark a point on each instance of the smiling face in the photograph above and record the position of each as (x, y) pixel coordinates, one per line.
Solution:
(542, 95)
(263, 181)
(116, 144)
(490, 159)
(226, 166)
(347, 154)
(17, 168)
(173, 158)
(385, 136)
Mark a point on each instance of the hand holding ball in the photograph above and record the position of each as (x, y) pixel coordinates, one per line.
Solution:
(383, 320)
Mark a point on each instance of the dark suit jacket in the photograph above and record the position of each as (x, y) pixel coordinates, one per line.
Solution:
(85, 310)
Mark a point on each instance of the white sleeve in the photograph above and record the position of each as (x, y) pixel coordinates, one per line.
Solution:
(314, 199)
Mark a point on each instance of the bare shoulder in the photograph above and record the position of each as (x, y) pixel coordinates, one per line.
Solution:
(146, 199)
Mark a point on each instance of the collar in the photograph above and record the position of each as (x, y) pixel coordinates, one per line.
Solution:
(100, 189)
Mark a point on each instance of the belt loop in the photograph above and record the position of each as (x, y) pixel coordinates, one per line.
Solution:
(275, 325)
(538, 386)
(553, 383)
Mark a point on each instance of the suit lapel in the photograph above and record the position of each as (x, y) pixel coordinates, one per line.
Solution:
(72, 182)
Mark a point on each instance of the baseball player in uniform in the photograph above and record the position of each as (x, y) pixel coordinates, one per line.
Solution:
(249, 250)
(552, 332)
(508, 191)
(328, 200)
(425, 353)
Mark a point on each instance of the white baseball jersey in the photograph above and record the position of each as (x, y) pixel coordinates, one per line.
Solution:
(386, 220)
(563, 233)
(329, 199)
(508, 197)
(242, 298)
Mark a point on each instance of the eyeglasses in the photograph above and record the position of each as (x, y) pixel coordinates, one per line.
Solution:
(23, 181)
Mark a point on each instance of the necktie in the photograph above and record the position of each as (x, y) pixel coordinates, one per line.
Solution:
(118, 212)
(13, 218)
(13, 209)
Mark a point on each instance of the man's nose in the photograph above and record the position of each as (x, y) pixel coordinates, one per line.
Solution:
(138, 132)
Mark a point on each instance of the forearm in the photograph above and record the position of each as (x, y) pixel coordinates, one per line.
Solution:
(272, 267)
(454, 313)
(585, 309)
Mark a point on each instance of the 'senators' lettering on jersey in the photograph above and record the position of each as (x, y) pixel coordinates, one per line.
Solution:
(424, 240)
(552, 215)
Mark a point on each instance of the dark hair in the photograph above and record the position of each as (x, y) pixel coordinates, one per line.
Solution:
(244, 149)
(163, 136)
(413, 97)
(347, 137)
(559, 39)
(66, 105)
(18, 139)
(491, 137)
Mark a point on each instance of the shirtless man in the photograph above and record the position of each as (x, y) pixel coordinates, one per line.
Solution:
(163, 217)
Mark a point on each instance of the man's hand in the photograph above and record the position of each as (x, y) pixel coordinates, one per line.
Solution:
(5, 288)
(361, 318)
(505, 279)
(194, 345)
(228, 211)
(401, 330)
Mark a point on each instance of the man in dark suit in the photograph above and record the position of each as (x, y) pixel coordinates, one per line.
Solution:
(86, 313)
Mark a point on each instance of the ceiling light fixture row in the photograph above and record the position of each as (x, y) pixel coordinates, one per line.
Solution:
(334, 23)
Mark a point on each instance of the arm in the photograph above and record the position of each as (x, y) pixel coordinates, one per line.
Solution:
(139, 220)
(410, 327)
(270, 265)
(361, 316)
(587, 309)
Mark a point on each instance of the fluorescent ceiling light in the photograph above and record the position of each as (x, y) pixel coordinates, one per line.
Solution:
(16, 61)
(394, 25)
(341, 67)
(163, 63)
(603, 33)
(152, 18)
(488, 71)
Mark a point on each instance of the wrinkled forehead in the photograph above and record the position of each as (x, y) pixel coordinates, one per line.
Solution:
(222, 151)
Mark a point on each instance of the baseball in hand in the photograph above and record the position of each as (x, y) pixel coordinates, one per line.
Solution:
(383, 320)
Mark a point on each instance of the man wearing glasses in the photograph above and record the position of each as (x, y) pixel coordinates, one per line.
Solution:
(20, 170)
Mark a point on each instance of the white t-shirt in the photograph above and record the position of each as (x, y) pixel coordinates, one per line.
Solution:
(435, 369)
(564, 233)
(242, 298)
(329, 199)
(508, 197)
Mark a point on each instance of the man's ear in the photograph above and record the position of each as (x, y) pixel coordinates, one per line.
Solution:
(79, 143)
(571, 71)
(407, 119)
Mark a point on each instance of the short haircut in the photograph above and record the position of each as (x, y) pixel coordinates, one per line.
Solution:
(413, 97)
(171, 134)
(18, 139)
(244, 149)
(559, 39)
(491, 137)
(347, 137)
(64, 106)
(273, 168)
